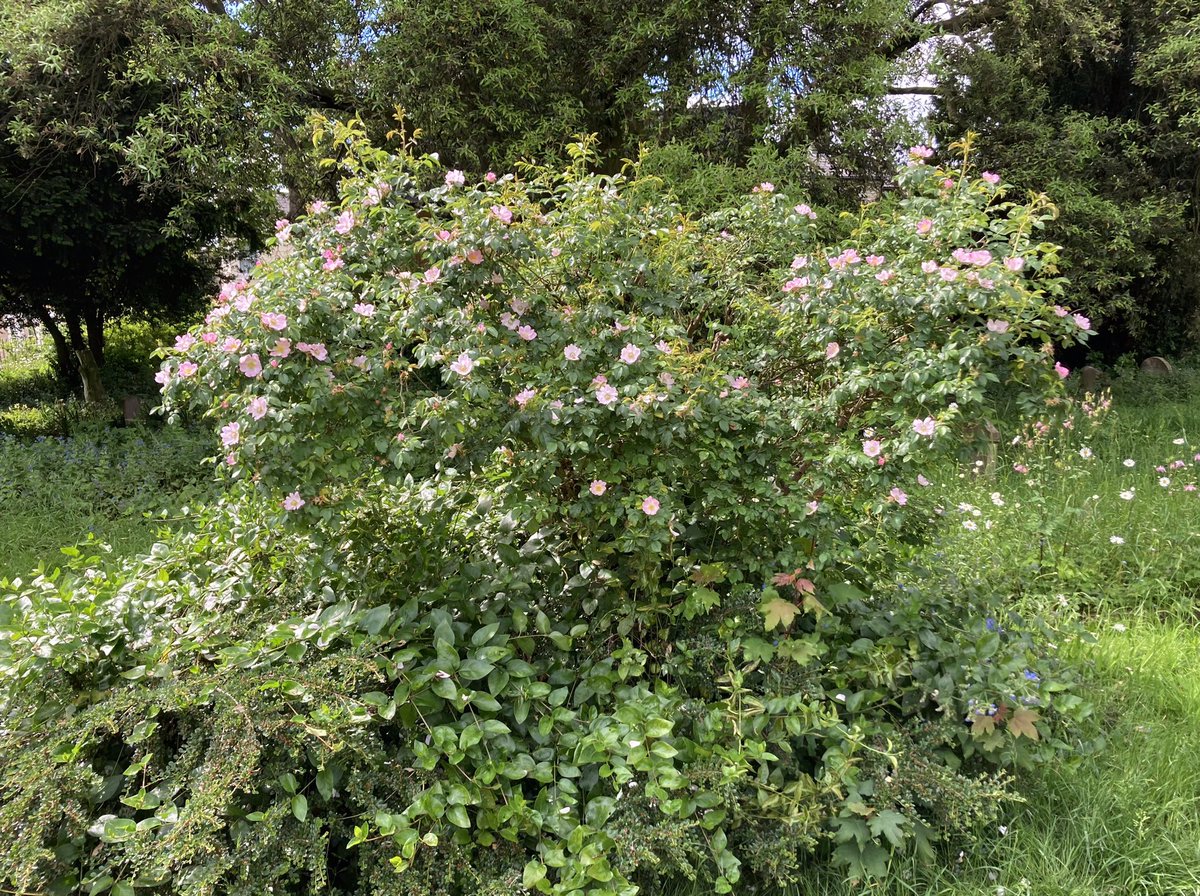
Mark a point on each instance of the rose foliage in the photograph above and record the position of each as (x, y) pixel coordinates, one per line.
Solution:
(569, 544)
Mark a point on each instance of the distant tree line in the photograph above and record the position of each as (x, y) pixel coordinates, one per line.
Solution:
(142, 141)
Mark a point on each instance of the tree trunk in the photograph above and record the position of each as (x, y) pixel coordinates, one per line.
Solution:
(62, 349)
(94, 320)
(86, 364)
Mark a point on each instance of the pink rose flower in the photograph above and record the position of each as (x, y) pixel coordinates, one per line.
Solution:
(250, 365)
(630, 353)
(572, 352)
(650, 506)
(293, 501)
(598, 487)
(872, 447)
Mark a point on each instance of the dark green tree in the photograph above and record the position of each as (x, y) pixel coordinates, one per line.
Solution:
(1095, 103)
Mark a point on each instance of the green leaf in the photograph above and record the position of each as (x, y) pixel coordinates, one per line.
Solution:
(300, 807)
(457, 816)
(534, 872)
(891, 825)
(778, 612)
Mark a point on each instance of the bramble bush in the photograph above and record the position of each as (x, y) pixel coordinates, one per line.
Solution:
(569, 544)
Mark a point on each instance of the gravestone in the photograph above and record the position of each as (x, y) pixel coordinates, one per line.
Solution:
(1090, 377)
(985, 432)
(133, 409)
(1156, 366)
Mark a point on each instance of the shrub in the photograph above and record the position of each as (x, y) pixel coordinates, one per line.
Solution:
(568, 546)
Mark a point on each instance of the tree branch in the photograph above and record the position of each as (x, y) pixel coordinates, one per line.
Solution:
(217, 7)
(915, 90)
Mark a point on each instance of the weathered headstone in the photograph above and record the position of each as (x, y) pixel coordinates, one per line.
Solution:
(1156, 366)
(1090, 377)
(133, 409)
(987, 434)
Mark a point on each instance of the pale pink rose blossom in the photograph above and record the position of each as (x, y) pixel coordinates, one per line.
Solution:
(184, 342)
(630, 353)
(832, 350)
(250, 365)
(924, 226)
(364, 308)
(231, 344)
(455, 178)
(464, 365)
(991, 178)
(1062, 372)
(475, 256)
(926, 426)
(872, 447)
(1014, 264)
(345, 222)
(929, 266)
(606, 395)
(231, 434)
(282, 348)
(572, 352)
(650, 506)
(897, 495)
(502, 213)
(293, 501)
(598, 487)
(527, 333)
(997, 326)
(523, 397)
(257, 408)
(187, 369)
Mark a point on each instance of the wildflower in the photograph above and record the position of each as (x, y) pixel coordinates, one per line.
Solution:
(924, 226)
(925, 427)
(1014, 264)
(1085, 452)
(1178, 441)
(1127, 495)
(231, 344)
(970, 525)
(208, 338)
(293, 501)
(317, 207)
(273, 321)
(345, 222)
(606, 395)
(231, 434)
(805, 212)
(765, 187)
(739, 383)
(316, 351)
(991, 177)
(163, 376)
(997, 326)
(948, 274)
(332, 260)
(490, 177)
(524, 396)
(184, 342)
(1082, 322)
(365, 309)
(455, 178)
(875, 260)
(663, 346)
(187, 369)
(922, 481)
(831, 351)
(257, 408)
(1020, 468)
(598, 487)
(897, 494)
(502, 214)
(572, 352)
(800, 261)
(475, 256)
(508, 321)
(250, 365)
(1164, 481)
(812, 507)
(463, 365)
(1129, 462)
(872, 447)
(282, 348)
(630, 353)
(997, 499)
(1062, 372)
(519, 306)
(929, 266)
(432, 274)
(1190, 487)
(920, 151)
(650, 506)
(885, 276)
(527, 333)
(1116, 539)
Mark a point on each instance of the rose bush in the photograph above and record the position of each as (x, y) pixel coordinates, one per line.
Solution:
(568, 543)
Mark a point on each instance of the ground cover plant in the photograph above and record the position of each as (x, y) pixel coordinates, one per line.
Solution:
(568, 544)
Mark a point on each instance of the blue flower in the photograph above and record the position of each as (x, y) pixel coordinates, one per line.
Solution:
(1032, 676)
(990, 623)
